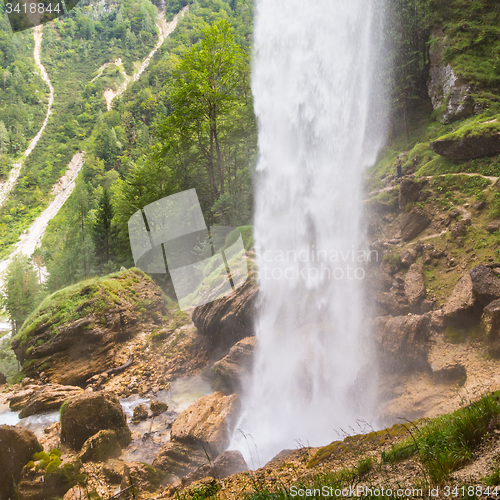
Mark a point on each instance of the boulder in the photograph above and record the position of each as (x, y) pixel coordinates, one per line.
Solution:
(158, 407)
(178, 459)
(485, 284)
(392, 303)
(18, 446)
(100, 447)
(458, 229)
(20, 398)
(490, 322)
(402, 342)
(76, 493)
(89, 413)
(208, 421)
(78, 330)
(469, 147)
(415, 285)
(37, 484)
(48, 397)
(141, 476)
(461, 307)
(413, 223)
(409, 191)
(140, 413)
(228, 319)
(450, 374)
(227, 463)
(493, 226)
(230, 370)
(408, 257)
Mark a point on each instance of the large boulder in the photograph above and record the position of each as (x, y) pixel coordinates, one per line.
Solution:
(227, 463)
(49, 397)
(208, 421)
(468, 147)
(100, 447)
(230, 370)
(77, 332)
(18, 446)
(415, 285)
(18, 399)
(402, 342)
(490, 322)
(413, 223)
(86, 415)
(228, 319)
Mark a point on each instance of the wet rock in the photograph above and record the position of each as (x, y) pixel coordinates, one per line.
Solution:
(85, 415)
(415, 285)
(229, 319)
(230, 370)
(49, 397)
(450, 374)
(158, 407)
(100, 447)
(469, 147)
(413, 224)
(208, 421)
(402, 342)
(18, 446)
(493, 226)
(392, 303)
(140, 413)
(70, 350)
(113, 470)
(141, 476)
(227, 463)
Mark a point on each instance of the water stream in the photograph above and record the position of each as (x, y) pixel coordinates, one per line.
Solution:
(149, 435)
(315, 84)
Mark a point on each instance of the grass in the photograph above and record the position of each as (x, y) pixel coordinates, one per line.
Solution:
(447, 442)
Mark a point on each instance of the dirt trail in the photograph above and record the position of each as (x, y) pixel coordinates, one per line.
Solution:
(33, 236)
(164, 30)
(7, 187)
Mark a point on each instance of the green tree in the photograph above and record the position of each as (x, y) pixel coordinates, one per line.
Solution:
(4, 139)
(103, 234)
(20, 291)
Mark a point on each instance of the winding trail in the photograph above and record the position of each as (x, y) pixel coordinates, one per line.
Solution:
(164, 30)
(7, 187)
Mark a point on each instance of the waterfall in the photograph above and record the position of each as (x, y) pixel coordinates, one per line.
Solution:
(318, 101)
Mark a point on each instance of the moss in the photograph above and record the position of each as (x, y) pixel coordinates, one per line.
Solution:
(472, 129)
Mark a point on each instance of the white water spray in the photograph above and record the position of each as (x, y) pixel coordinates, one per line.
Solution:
(315, 88)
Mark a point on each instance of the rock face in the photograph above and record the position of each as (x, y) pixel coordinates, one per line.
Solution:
(17, 445)
(100, 447)
(86, 415)
(178, 459)
(415, 285)
(231, 369)
(469, 147)
(208, 421)
(443, 84)
(413, 224)
(227, 463)
(77, 332)
(402, 342)
(49, 397)
(229, 319)
(409, 191)
(490, 322)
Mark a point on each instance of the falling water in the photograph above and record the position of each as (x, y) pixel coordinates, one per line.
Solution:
(319, 108)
